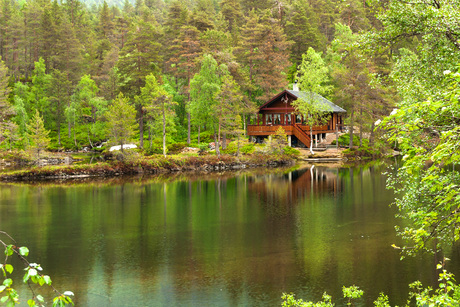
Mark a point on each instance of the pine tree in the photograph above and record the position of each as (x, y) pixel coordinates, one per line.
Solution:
(263, 50)
(139, 57)
(121, 121)
(303, 29)
(37, 134)
(59, 95)
(6, 110)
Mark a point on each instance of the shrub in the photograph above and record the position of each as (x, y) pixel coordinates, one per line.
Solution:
(290, 151)
(176, 147)
(248, 148)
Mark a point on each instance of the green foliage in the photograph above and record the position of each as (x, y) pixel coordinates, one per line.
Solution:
(351, 293)
(447, 294)
(248, 148)
(37, 134)
(290, 151)
(33, 276)
(427, 183)
(121, 118)
(344, 140)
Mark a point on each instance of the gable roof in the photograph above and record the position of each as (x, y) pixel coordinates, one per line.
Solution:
(319, 98)
(304, 95)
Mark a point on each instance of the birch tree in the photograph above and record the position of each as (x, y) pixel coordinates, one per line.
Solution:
(313, 79)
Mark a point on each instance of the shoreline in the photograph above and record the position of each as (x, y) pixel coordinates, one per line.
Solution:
(150, 166)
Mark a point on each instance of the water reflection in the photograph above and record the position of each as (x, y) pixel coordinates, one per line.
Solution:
(220, 241)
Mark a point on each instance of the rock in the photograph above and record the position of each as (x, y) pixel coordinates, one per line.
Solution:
(125, 146)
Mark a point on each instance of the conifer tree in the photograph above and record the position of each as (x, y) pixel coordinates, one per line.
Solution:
(37, 134)
(121, 120)
(263, 50)
(59, 95)
(138, 58)
(6, 110)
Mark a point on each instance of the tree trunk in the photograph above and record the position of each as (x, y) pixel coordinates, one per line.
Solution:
(311, 140)
(218, 138)
(371, 137)
(141, 127)
(216, 143)
(224, 141)
(352, 122)
(150, 138)
(164, 132)
(199, 130)
(361, 128)
(59, 132)
(188, 127)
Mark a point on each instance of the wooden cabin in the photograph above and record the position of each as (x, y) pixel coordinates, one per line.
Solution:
(279, 112)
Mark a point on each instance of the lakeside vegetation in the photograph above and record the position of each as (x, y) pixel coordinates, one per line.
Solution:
(194, 72)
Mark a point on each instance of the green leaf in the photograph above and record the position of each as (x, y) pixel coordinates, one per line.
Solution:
(26, 277)
(23, 251)
(9, 268)
(8, 282)
(40, 298)
(32, 272)
(4, 299)
(2, 288)
(9, 250)
(31, 303)
(47, 279)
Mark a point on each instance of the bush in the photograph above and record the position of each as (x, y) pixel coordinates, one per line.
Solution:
(176, 147)
(248, 148)
(344, 140)
(290, 151)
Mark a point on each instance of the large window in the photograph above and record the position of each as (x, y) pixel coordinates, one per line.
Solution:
(287, 119)
(269, 119)
(277, 119)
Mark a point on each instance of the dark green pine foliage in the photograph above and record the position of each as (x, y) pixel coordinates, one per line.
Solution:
(302, 28)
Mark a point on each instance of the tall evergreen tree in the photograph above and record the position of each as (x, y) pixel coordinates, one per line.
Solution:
(138, 58)
(263, 50)
(6, 110)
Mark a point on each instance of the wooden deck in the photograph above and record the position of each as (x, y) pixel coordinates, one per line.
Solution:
(261, 130)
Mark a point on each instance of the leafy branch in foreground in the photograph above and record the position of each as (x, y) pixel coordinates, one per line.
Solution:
(447, 294)
(32, 276)
(428, 182)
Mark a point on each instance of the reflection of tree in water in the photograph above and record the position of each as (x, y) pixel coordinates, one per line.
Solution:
(280, 191)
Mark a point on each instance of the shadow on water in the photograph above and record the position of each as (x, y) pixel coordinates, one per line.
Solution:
(220, 239)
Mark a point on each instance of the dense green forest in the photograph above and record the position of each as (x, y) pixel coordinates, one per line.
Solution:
(210, 63)
(213, 62)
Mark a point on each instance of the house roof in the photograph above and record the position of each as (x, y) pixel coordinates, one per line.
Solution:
(319, 98)
(305, 95)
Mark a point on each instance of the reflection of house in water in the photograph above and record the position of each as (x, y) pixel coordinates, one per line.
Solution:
(291, 187)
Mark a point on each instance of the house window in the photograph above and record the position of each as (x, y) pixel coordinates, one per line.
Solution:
(287, 119)
(277, 119)
(298, 119)
(269, 119)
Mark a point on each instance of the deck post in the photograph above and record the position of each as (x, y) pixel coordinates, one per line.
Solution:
(289, 141)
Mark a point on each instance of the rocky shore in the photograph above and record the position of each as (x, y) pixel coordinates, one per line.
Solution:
(145, 166)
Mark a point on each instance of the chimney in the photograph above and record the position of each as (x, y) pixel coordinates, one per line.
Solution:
(295, 87)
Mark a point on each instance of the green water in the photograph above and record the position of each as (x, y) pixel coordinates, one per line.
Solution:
(238, 240)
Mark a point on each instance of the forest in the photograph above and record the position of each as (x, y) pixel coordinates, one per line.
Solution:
(208, 61)
(187, 69)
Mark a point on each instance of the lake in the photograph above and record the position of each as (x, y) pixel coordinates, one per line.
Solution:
(238, 239)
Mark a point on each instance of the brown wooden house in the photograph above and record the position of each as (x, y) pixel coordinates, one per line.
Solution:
(278, 112)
